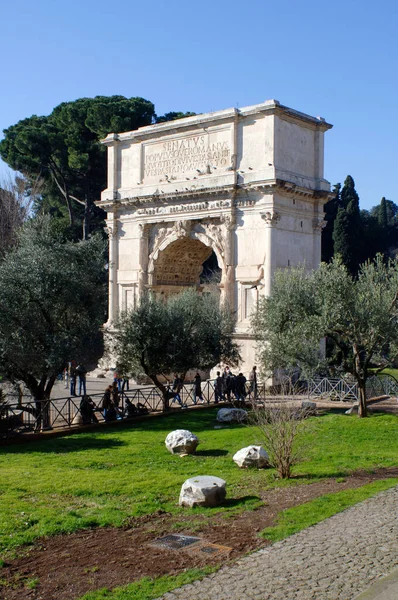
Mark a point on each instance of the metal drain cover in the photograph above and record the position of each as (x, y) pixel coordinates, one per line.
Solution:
(214, 549)
(175, 542)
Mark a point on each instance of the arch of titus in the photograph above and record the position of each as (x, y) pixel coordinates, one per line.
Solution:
(243, 186)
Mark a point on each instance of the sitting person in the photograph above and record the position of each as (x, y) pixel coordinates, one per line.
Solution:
(142, 409)
(87, 408)
(130, 409)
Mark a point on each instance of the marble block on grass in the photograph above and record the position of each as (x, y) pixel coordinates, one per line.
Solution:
(251, 456)
(204, 490)
(181, 441)
(231, 415)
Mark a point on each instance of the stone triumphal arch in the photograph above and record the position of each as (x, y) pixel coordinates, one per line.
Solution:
(219, 199)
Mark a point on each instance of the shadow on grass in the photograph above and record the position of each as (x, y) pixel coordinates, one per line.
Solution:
(243, 501)
(67, 444)
(211, 452)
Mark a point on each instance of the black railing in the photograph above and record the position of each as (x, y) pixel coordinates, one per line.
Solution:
(27, 416)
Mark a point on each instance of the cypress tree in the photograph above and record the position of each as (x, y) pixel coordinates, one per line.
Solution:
(349, 193)
(382, 216)
(347, 234)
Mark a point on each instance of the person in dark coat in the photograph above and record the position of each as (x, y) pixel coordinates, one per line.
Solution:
(198, 389)
(240, 388)
(87, 408)
(218, 388)
(227, 380)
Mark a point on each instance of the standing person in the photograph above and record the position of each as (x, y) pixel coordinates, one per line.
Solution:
(107, 405)
(198, 389)
(218, 388)
(115, 394)
(82, 371)
(177, 385)
(72, 377)
(125, 383)
(253, 382)
(227, 380)
(66, 375)
(240, 383)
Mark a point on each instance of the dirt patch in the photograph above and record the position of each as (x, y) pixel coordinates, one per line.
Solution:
(67, 566)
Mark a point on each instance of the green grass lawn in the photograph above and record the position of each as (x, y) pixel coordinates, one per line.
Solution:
(103, 477)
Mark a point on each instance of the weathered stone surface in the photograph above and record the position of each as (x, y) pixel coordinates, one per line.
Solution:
(308, 405)
(181, 441)
(231, 415)
(204, 490)
(251, 456)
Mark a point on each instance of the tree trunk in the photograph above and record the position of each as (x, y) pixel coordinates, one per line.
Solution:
(41, 394)
(164, 391)
(362, 408)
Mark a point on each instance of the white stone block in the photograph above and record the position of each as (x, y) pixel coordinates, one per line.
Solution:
(181, 441)
(204, 490)
(251, 456)
(231, 415)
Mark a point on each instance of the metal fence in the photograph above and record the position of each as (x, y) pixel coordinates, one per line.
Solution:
(25, 415)
(346, 389)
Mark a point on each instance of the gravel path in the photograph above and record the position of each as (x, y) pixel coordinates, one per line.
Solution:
(334, 560)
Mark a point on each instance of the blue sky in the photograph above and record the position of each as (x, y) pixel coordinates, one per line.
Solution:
(335, 59)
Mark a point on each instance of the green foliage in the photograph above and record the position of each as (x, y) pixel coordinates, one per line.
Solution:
(148, 589)
(173, 116)
(186, 332)
(359, 315)
(105, 477)
(64, 149)
(52, 294)
(293, 520)
(347, 232)
(330, 209)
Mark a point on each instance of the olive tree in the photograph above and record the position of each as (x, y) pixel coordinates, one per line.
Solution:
(52, 298)
(358, 315)
(188, 331)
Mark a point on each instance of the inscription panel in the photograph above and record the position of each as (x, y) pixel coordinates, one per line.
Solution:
(193, 155)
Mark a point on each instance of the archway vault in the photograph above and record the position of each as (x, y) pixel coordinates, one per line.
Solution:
(180, 263)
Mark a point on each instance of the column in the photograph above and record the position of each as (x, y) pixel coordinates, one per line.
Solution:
(112, 229)
(317, 226)
(229, 260)
(271, 219)
(143, 257)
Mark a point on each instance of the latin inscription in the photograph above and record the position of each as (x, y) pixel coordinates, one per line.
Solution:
(196, 153)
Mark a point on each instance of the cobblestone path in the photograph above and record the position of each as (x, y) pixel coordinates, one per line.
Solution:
(334, 560)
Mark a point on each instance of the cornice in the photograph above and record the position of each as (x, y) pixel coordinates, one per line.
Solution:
(229, 114)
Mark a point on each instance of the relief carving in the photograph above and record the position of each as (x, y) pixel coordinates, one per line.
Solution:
(271, 218)
(182, 228)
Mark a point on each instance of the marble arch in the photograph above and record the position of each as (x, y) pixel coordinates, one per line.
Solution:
(245, 183)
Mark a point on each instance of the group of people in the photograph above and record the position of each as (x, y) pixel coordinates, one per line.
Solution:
(227, 386)
(109, 406)
(74, 372)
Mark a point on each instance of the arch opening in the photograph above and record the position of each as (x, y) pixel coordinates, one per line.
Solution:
(185, 263)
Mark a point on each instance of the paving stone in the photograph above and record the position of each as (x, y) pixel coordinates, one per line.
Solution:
(334, 560)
